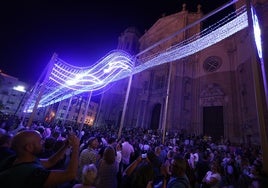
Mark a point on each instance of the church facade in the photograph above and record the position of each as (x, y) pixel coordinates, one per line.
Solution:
(211, 92)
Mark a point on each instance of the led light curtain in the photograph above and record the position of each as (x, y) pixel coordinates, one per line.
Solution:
(66, 80)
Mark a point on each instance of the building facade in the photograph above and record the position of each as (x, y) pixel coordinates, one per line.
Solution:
(211, 92)
(12, 95)
(77, 111)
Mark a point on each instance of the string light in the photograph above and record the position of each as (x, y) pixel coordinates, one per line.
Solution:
(67, 80)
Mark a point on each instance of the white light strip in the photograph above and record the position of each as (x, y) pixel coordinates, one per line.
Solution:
(66, 80)
(199, 44)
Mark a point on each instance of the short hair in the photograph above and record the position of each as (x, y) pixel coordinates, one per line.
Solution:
(89, 174)
(180, 162)
(91, 139)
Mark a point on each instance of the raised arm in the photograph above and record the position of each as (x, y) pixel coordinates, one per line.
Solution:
(60, 176)
(52, 160)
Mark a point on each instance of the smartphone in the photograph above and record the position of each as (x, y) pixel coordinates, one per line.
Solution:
(144, 155)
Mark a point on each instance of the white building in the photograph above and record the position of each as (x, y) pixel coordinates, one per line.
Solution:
(12, 94)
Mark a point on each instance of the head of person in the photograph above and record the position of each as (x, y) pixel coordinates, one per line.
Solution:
(126, 139)
(214, 166)
(118, 146)
(142, 175)
(178, 165)
(49, 143)
(93, 142)
(89, 174)
(5, 140)
(157, 150)
(170, 154)
(111, 140)
(109, 154)
(27, 142)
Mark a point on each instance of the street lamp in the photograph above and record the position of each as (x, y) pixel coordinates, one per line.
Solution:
(259, 76)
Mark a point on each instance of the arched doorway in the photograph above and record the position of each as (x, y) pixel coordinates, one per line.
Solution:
(155, 116)
(213, 122)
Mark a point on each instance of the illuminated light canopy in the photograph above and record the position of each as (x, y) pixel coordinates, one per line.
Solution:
(257, 32)
(66, 80)
(199, 43)
(19, 88)
(114, 64)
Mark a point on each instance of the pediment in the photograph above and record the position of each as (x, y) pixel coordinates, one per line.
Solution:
(167, 25)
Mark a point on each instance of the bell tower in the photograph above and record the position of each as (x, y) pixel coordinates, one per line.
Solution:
(129, 40)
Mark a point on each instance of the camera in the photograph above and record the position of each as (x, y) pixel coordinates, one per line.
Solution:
(144, 155)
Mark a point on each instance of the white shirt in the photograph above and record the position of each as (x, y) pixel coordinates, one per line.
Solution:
(127, 149)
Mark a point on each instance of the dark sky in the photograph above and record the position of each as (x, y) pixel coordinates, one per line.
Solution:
(79, 31)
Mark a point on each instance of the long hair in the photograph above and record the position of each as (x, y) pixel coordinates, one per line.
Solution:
(109, 155)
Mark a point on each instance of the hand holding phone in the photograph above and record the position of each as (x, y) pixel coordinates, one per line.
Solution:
(144, 155)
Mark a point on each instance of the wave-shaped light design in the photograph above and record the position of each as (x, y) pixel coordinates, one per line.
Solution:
(65, 80)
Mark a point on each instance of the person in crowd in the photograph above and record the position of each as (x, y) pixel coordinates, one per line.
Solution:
(178, 178)
(139, 173)
(51, 146)
(107, 169)
(167, 163)
(142, 176)
(88, 155)
(201, 168)
(27, 170)
(156, 163)
(111, 141)
(163, 153)
(144, 146)
(89, 176)
(5, 146)
(190, 171)
(213, 177)
(118, 159)
(57, 135)
(245, 170)
(127, 152)
(258, 179)
(48, 147)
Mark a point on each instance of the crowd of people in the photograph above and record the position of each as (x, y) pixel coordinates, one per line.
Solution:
(66, 157)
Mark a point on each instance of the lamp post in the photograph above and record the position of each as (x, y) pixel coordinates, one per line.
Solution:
(164, 127)
(259, 82)
(125, 106)
(85, 114)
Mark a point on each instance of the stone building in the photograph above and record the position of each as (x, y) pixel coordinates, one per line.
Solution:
(211, 92)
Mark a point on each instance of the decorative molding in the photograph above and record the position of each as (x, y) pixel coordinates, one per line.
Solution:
(212, 95)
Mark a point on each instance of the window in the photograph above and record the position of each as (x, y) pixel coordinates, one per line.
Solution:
(212, 63)
(159, 82)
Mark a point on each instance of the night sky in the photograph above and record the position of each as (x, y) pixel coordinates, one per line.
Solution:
(79, 31)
